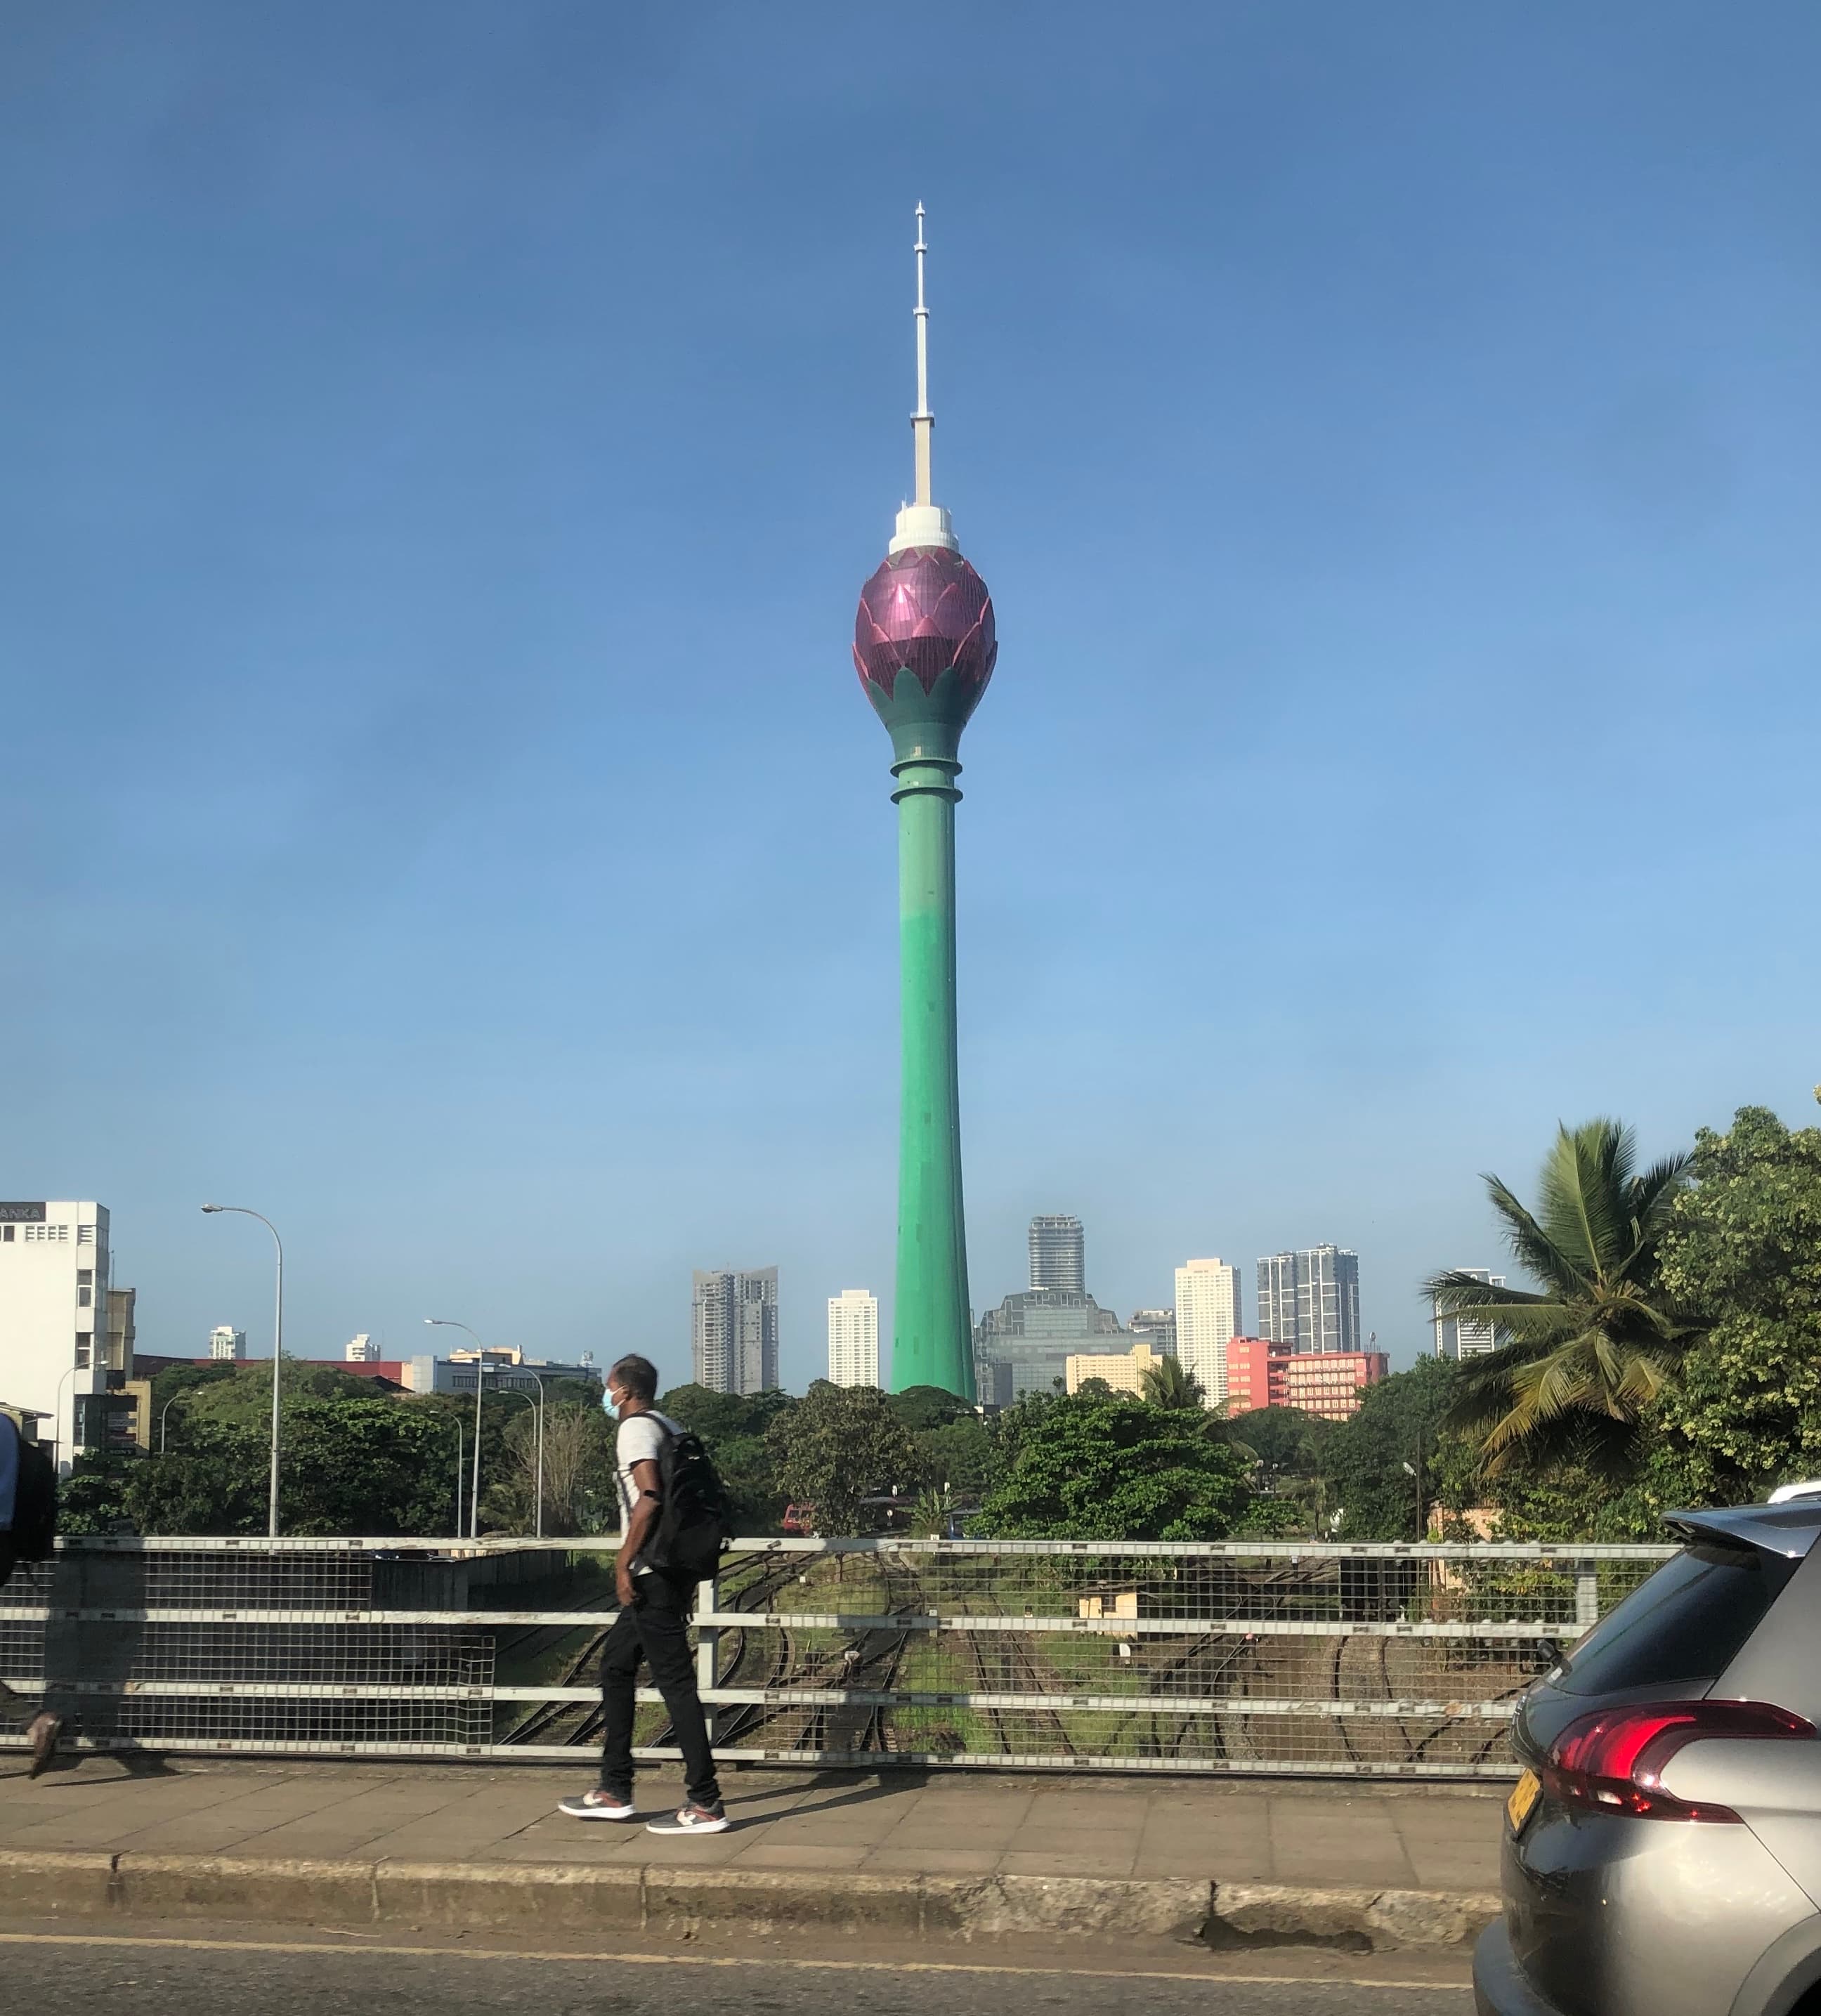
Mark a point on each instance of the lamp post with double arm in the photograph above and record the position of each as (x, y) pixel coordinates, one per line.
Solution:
(450, 1323)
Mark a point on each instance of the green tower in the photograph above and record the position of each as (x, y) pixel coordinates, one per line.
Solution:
(923, 646)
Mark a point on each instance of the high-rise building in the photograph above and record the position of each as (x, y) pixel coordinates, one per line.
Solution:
(1309, 1299)
(54, 1319)
(361, 1350)
(1159, 1326)
(1466, 1336)
(923, 645)
(734, 1312)
(1059, 1254)
(1208, 1317)
(226, 1342)
(853, 1338)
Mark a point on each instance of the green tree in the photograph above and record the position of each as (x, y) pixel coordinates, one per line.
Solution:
(838, 1445)
(922, 1408)
(1744, 1242)
(1401, 1420)
(1591, 1350)
(1109, 1466)
(718, 1417)
(92, 1498)
(1285, 1441)
(1169, 1383)
(734, 1428)
(365, 1464)
(959, 1454)
(215, 1482)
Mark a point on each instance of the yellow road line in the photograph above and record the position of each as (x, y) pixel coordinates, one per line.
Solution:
(92, 1940)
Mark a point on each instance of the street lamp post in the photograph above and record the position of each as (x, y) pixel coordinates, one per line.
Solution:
(450, 1323)
(538, 1403)
(162, 1412)
(541, 1397)
(57, 1418)
(277, 1351)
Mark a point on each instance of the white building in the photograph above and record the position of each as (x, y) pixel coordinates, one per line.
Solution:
(53, 1304)
(853, 1338)
(226, 1342)
(361, 1350)
(1466, 1336)
(508, 1368)
(734, 1319)
(1208, 1318)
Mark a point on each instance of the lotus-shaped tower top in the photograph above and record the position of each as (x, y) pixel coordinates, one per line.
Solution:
(924, 640)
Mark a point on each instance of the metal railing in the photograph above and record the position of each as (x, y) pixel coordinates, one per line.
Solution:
(1237, 1657)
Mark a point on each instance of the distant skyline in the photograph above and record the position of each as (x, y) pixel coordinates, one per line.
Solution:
(440, 448)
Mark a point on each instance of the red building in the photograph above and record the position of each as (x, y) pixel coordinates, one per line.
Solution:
(1260, 1373)
(1253, 1377)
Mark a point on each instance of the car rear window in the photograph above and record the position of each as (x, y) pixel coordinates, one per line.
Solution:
(1685, 1623)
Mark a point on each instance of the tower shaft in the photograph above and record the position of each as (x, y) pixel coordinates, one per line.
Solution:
(933, 1335)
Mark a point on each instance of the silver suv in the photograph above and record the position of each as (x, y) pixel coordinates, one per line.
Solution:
(1663, 1846)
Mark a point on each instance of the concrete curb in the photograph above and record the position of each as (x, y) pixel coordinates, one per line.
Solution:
(1375, 1921)
(673, 1902)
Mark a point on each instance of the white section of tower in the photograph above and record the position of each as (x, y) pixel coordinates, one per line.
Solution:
(924, 523)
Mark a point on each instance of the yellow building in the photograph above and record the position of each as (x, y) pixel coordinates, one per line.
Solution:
(1123, 1370)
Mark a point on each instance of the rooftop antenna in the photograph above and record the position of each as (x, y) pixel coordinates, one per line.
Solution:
(923, 522)
(923, 420)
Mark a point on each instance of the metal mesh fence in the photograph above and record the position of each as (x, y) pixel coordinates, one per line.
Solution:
(1258, 1656)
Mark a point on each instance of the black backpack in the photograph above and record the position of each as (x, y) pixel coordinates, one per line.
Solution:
(34, 1504)
(695, 1520)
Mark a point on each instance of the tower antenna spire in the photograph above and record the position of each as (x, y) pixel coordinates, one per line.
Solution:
(923, 420)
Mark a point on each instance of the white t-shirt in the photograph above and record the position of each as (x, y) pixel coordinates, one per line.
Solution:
(640, 1439)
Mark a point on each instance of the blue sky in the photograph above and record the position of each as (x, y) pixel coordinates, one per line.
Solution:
(441, 446)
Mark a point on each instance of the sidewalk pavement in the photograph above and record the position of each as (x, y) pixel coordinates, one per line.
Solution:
(1249, 1844)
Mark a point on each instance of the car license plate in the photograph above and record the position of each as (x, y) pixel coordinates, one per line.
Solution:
(1524, 1795)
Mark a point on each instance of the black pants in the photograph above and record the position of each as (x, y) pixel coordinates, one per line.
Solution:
(654, 1628)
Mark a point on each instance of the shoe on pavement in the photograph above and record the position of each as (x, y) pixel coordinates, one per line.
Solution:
(691, 1819)
(595, 1805)
(43, 1732)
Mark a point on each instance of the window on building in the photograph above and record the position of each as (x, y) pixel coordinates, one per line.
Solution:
(6, 1233)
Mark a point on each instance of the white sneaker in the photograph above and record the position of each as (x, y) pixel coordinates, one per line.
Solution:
(691, 1819)
(595, 1805)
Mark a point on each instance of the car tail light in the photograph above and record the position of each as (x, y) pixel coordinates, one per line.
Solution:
(1613, 1761)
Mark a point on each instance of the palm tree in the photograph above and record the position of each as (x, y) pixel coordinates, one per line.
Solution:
(1169, 1383)
(1588, 1351)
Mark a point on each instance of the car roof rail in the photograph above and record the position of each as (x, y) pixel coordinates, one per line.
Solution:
(1789, 1529)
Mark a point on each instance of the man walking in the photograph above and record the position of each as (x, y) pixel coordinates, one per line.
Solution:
(652, 1626)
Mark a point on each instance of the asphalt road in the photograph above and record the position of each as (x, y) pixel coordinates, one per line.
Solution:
(70, 1971)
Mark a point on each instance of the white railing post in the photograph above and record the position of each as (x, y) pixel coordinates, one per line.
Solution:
(707, 1647)
(1587, 1596)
